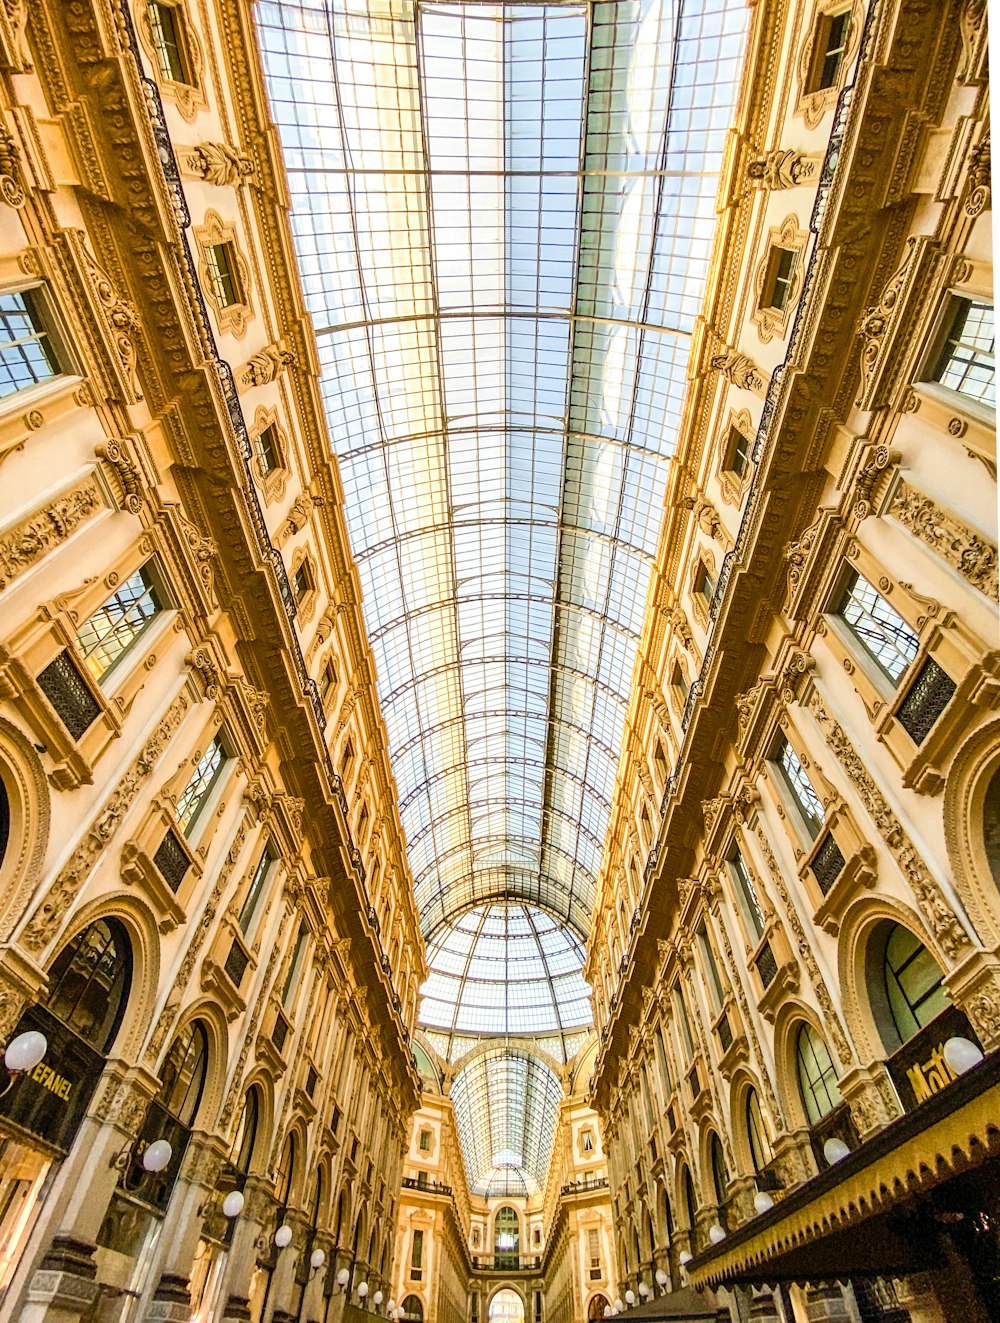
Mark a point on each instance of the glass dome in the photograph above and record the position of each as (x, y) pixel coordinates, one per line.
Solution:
(505, 968)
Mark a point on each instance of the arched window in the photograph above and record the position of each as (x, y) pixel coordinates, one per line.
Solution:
(4, 820)
(817, 1075)
(991, 825)
(171, 1114)
(690, 1202)
(761, 1152)
(720, 1177)
(89, 982)
(912, 983)
(506, 1236)
(596, 1308)
(413, 1310)
(286, 1173)
(506, 1307)
(241, 1153)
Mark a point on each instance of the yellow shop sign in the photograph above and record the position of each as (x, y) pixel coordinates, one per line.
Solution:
(48, 1079)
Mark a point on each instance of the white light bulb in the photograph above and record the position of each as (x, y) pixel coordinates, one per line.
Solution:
(763, 1202)
(643, 1290)
(661, 1277)
(157, 1156)
(835, 1150)
(342, 1276)
(362, 1289)
(716, 1234)
(233, 1203)
(283, 1236)
(961, 1054)
(619, 1304)
(25, 1051)
(630, 1297)
(391, 1306)
(317, 1258)
(377, 1299)
(607, 1311)
(685, 1258)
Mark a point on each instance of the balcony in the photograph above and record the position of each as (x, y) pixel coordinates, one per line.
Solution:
(426, 1185)
(583, 1187)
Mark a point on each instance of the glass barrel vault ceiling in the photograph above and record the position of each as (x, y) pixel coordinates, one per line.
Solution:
(503, 216)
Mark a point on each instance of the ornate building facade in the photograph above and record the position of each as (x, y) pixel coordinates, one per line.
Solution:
(800, 898)
(304, 952)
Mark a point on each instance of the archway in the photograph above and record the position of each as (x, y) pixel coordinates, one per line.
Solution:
(506, 1307)
(413, 1310)
(596, 1308)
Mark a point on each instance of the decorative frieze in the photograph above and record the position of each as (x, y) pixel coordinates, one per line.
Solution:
(963, 549)
(76, 870)
(939, 913)
(33, 537)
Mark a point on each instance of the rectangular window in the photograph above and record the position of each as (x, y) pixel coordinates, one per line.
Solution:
(327, 680)
(425, 1141)
(878, 627)
(967, 362)
(778, 281)
(738, 452)
(165, 23)
(830, 46)
(268, 452)
(251, 904)
(594, 1247)
(198, 789)
(711, 968)
(302, 582)
(685, 1024)
(27, 355)
(661, 1057)
(704, 584)
(680, 681)
(748, 894)
(295, 965)
(801, 788)
(538, 1307)
(116, 625)
(220, 267)
(417, 1255)
(588, 1141)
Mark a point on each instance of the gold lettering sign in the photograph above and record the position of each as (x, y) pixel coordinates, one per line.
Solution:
(930, 1076)
(48, 1079)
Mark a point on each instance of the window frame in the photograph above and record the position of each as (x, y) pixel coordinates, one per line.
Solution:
(189, 829)
(154, 585)
(847, 582)
(821, 52)
(833, 1096)
(180, 44)
(933, 363)
(788, 792)
(46, 314)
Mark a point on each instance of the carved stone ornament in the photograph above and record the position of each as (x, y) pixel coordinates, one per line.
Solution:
(218, 163)
(872, 474)
(232, 317)
(980, 187)
(973, 29)
(738, 370)
(266, 364)
(44, 922)
(941, 918)
(11, 190)
(796, 553)
(37, 534)
(876, 322)
(771, 321)
(120, 314)
(784, 168)
(964, 550)
(115, 453)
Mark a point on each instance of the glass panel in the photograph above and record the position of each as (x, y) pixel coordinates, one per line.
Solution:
(968, 361)
(795, 778)
(817, 1075)
(748, 894)
(27, 356)
(115, 626)
(760, 1145)
(89, 982)
(198, 789)
(182, 1076)
(913, 983)
(878, 627)
(165, 25)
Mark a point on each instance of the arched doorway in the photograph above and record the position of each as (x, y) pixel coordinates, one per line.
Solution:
(506, 1306)
(596, 1308)
(506, 1237)
(413, 1310)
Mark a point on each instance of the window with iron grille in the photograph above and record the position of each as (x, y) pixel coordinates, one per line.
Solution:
(27, 354)
(594, 1253)
(222, 274)
(801, 788)
(236, 964)
(927, 698)
(114, 627)
(65, 688)
(878, 627)
(748, 894)
(195, 794)
(166, 23)
(251, 904)
(828, 864)
(767, 966)
(829, 49)
(967, 363)
(172, 861)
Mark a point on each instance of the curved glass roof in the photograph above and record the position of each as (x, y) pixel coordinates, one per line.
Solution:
(506, 1107)
(503, 216)
(505, 969)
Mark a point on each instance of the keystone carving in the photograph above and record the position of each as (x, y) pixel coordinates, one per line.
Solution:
(266, 364)
(128, 473)
(218, 163)
(738, 370)
(784, 168)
